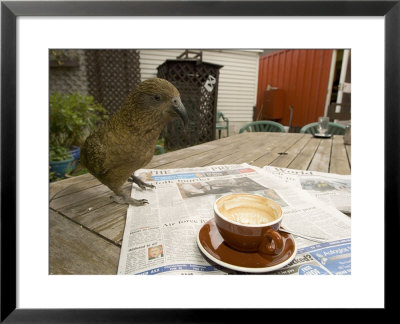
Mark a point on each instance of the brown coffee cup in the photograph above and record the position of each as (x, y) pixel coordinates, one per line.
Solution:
(249, 222)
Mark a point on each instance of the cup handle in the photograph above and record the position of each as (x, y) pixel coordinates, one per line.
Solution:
(272, 243)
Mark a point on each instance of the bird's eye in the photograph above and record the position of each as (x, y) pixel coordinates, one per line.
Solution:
(157, 97)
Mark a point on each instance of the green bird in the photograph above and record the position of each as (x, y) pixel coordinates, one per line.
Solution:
(126, 142)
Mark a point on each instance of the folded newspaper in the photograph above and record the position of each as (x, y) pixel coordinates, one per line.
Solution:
(161, 237)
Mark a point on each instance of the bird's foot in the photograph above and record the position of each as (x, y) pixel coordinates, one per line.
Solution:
(129, 200)
(143, 185)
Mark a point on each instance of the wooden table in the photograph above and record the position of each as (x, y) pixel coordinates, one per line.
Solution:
(86, 227)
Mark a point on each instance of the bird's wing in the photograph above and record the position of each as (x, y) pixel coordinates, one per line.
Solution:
(120, 149)
(94, 154)
(101, 149)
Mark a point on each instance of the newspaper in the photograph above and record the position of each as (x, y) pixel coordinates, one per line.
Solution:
(161, 237)
(330, 258)
(333, 189)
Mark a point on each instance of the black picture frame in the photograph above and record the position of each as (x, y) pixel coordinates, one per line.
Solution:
(10, 10)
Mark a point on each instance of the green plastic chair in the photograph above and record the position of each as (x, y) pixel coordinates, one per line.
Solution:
(263, 126)
(333, 129)
(221, 125)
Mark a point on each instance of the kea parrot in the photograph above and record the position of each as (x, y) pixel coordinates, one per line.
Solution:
(126, 141)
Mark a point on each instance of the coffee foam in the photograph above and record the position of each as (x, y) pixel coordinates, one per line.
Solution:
(247, 209)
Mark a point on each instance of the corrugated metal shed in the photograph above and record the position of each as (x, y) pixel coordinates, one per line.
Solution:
(303, 75)
(237, 88)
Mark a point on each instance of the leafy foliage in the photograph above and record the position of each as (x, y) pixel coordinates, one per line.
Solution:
(59, 153)
(72, 117)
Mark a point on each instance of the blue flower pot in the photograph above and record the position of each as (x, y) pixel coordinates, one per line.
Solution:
(61, 167)
(75, 152)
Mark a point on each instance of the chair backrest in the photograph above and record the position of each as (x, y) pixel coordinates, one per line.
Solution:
(333, 129)
(263, 126)
(221, 115)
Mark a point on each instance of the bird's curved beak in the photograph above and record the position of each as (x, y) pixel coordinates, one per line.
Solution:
(180, 110)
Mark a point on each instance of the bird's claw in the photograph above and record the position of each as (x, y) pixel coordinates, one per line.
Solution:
(129, 200)
(146, 185)
(142, 202)
(142, 185)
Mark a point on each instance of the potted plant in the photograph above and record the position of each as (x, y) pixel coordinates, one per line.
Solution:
(60, 162)
(72, 117)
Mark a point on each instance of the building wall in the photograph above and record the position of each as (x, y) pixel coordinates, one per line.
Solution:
(303, 75)
(68, 80)
(237, 88)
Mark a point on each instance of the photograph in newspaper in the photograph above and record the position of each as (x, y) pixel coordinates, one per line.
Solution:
(334, 189)
(161, 237)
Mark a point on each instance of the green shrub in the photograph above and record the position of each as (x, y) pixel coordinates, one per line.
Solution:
(72, 117)
(59, 153)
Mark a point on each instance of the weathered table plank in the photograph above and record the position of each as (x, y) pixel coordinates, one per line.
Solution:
(205, 157)
(79, 196)
(322, 156)
(286, 157)
(339, 161)
(279, 148)
(75, 250)
(303, 159)
(159, 161)
(261, 147)
(348, 150)
(60, 188)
